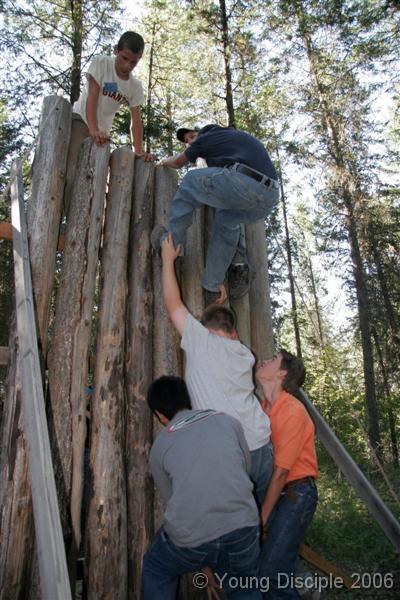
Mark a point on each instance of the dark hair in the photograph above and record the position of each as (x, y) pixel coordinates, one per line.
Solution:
(295, 371)
(219, 317)
(131, 41)
(168, 395)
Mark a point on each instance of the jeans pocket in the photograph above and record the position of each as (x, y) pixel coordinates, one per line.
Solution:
(191, 558)
(245, 559)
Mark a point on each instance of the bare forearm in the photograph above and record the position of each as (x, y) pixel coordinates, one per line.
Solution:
(175, 162)
(275, 487)
(137, 135)
(171, 292)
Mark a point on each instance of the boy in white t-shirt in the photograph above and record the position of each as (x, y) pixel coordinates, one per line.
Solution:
(109, 85)
(219, 369)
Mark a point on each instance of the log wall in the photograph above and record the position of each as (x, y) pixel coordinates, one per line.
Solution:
(125, 326)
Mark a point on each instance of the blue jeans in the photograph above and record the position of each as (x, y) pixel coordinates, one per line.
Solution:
(261, 470)
(236, 198)
(286, 527)
(232, 555)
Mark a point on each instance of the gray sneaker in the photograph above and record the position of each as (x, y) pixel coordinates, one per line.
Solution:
(238, 281)
(157, 235)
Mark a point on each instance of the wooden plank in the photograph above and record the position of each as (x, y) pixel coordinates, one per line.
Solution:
(4, 355)
(50, 545)
(6, 234)
(324, 565)
(373, 502)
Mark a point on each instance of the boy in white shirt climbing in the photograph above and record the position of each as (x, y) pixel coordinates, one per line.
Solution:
(219, 369)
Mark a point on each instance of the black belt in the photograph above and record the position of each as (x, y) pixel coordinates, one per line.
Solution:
(302, 480)
(261, 177)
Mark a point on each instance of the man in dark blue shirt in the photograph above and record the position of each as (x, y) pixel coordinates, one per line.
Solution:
(240, 182)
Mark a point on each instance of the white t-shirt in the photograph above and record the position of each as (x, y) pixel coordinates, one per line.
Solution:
(219, 375)
(114, 91)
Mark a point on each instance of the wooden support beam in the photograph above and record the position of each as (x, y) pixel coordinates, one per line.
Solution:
(363, 488)
(324, 565)
(51, 553)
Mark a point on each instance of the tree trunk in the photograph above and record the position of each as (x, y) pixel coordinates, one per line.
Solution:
(228, 74)
(77, 43)
(365, 328)
(290, 272)
(348, 180)
(68, 359)
(107, 552)
(149, 91)
(138, 376)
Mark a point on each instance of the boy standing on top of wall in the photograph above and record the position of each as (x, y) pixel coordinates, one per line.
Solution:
(219, 369)
(109, 84)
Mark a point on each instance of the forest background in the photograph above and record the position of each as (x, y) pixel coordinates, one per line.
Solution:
(318, 83)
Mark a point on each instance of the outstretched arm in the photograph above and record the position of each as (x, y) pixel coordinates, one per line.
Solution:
(176, 310)
(137, 134)
(176, 162)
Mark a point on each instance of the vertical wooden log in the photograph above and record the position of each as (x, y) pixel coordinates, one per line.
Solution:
(138, 376)
(107, 518)
(45, 205)
(262, 337)
(68, 359)
(166, 343)
(16, 517)
(192, 265)
(241, 307)
(167, 355)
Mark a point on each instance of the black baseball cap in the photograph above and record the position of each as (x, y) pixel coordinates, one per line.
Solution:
(181, 132)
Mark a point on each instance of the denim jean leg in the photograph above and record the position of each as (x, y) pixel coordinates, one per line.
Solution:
(286, 527)
(237, 564)
(222, 247)
(164, 562)
(181, 212)
(261, 470)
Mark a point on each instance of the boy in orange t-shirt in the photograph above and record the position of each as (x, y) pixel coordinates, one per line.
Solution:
(291, 497)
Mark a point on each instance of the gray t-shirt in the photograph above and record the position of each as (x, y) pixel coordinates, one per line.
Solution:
(201, 463)
(219, 375)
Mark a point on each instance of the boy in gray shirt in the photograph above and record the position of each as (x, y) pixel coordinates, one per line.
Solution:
(219, 369)
(201, 464)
